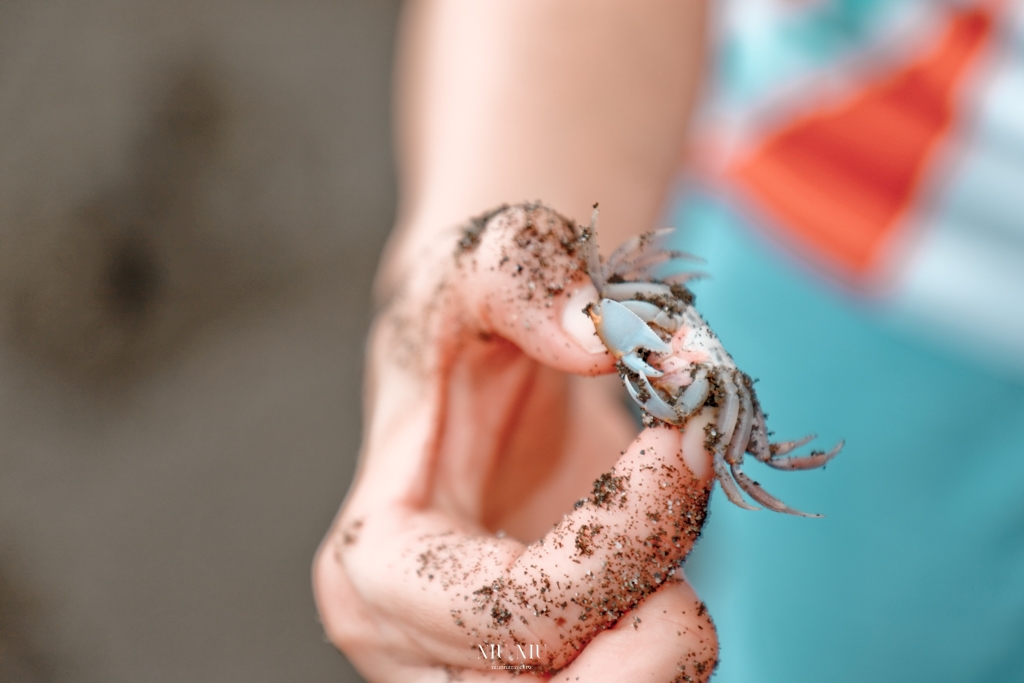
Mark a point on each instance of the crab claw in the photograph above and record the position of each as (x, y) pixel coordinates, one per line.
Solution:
(624, 333)
(651, 401)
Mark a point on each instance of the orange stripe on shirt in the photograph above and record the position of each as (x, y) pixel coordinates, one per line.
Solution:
(839, 179)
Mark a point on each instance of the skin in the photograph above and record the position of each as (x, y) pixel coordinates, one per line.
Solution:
(484, 419)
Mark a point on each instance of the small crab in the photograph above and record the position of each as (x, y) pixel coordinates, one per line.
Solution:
(673, 364)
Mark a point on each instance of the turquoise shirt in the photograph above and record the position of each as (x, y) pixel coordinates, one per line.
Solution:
(917, 571)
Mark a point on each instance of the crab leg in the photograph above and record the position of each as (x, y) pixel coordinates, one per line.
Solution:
(807, 462)
(590, 253)
(730, 409)
(695, 395)
(683, 277)
(643, 250)
(725, 478)
(621, 291)
(742, 436)
(758, 446)
(783, 447)
(637, 365)
(762, 496)
(643, 310)
(654, 404)
(725, 426)
(667, 322)
(644, 266)
(635, 247)
(650, 313)
(643, 263)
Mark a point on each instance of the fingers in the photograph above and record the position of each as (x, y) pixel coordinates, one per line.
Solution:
(449, 590)
(349, 623)
(669, 637)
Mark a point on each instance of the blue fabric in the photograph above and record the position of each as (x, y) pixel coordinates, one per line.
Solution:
(960, 248)
(917, 572)
(763, 44)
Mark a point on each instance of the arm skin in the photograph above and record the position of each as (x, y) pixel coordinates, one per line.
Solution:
(570, 102)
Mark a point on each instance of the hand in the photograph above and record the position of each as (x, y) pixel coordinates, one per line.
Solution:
(481, 434)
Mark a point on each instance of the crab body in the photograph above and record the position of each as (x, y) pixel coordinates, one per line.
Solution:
(673, 365)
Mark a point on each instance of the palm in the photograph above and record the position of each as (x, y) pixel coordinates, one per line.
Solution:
(531, 437)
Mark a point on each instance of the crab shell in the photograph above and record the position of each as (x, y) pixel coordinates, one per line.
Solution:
(673, 365)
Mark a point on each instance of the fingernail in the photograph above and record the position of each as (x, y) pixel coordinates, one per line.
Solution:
(578, 324)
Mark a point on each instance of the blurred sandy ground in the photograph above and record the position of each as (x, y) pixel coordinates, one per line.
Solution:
(192, 199)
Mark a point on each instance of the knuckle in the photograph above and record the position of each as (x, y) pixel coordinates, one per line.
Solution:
(701, 657)
(343, 612)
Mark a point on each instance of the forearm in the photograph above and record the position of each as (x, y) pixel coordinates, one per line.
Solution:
(568, 101)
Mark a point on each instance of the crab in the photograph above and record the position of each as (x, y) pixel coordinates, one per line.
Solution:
(673, 364)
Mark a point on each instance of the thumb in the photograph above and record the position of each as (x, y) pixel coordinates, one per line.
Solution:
(517, 278)
(520, 274)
